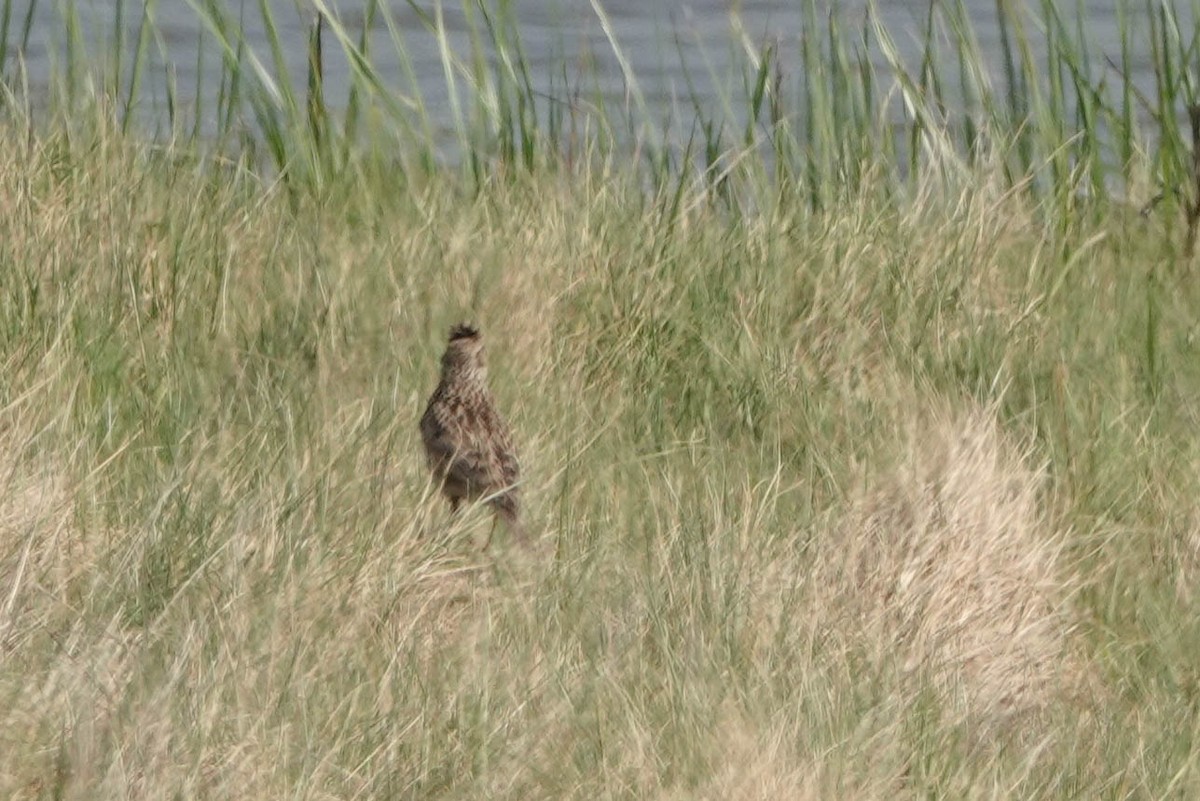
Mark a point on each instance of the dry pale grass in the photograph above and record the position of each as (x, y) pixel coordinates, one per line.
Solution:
(41, 549)
(949, 565)
(49, 551)
(761, 572)
(750, 761)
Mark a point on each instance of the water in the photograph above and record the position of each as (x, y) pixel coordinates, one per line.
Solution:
(684, 54)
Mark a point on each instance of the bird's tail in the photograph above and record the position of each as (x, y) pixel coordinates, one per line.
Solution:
(508, 509)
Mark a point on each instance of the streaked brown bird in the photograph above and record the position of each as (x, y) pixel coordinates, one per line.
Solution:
(467, 443)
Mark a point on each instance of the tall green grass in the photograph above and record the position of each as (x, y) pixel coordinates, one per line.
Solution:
(829, 110)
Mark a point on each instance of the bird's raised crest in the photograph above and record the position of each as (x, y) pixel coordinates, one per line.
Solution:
(463, 331)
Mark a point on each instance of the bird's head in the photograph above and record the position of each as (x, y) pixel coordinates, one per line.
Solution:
(464, 353)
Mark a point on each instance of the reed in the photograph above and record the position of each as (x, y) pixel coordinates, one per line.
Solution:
(1063, 119)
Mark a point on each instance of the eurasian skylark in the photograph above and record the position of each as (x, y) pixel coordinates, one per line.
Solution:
(467, 443)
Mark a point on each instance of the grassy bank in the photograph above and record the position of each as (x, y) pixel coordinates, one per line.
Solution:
(852, 470)
(893, 500)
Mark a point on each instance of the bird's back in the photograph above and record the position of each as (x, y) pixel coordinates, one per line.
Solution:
(466, 441)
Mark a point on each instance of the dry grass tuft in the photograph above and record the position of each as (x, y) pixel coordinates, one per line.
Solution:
(949, 566)
(755, 762)
(39, 549)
